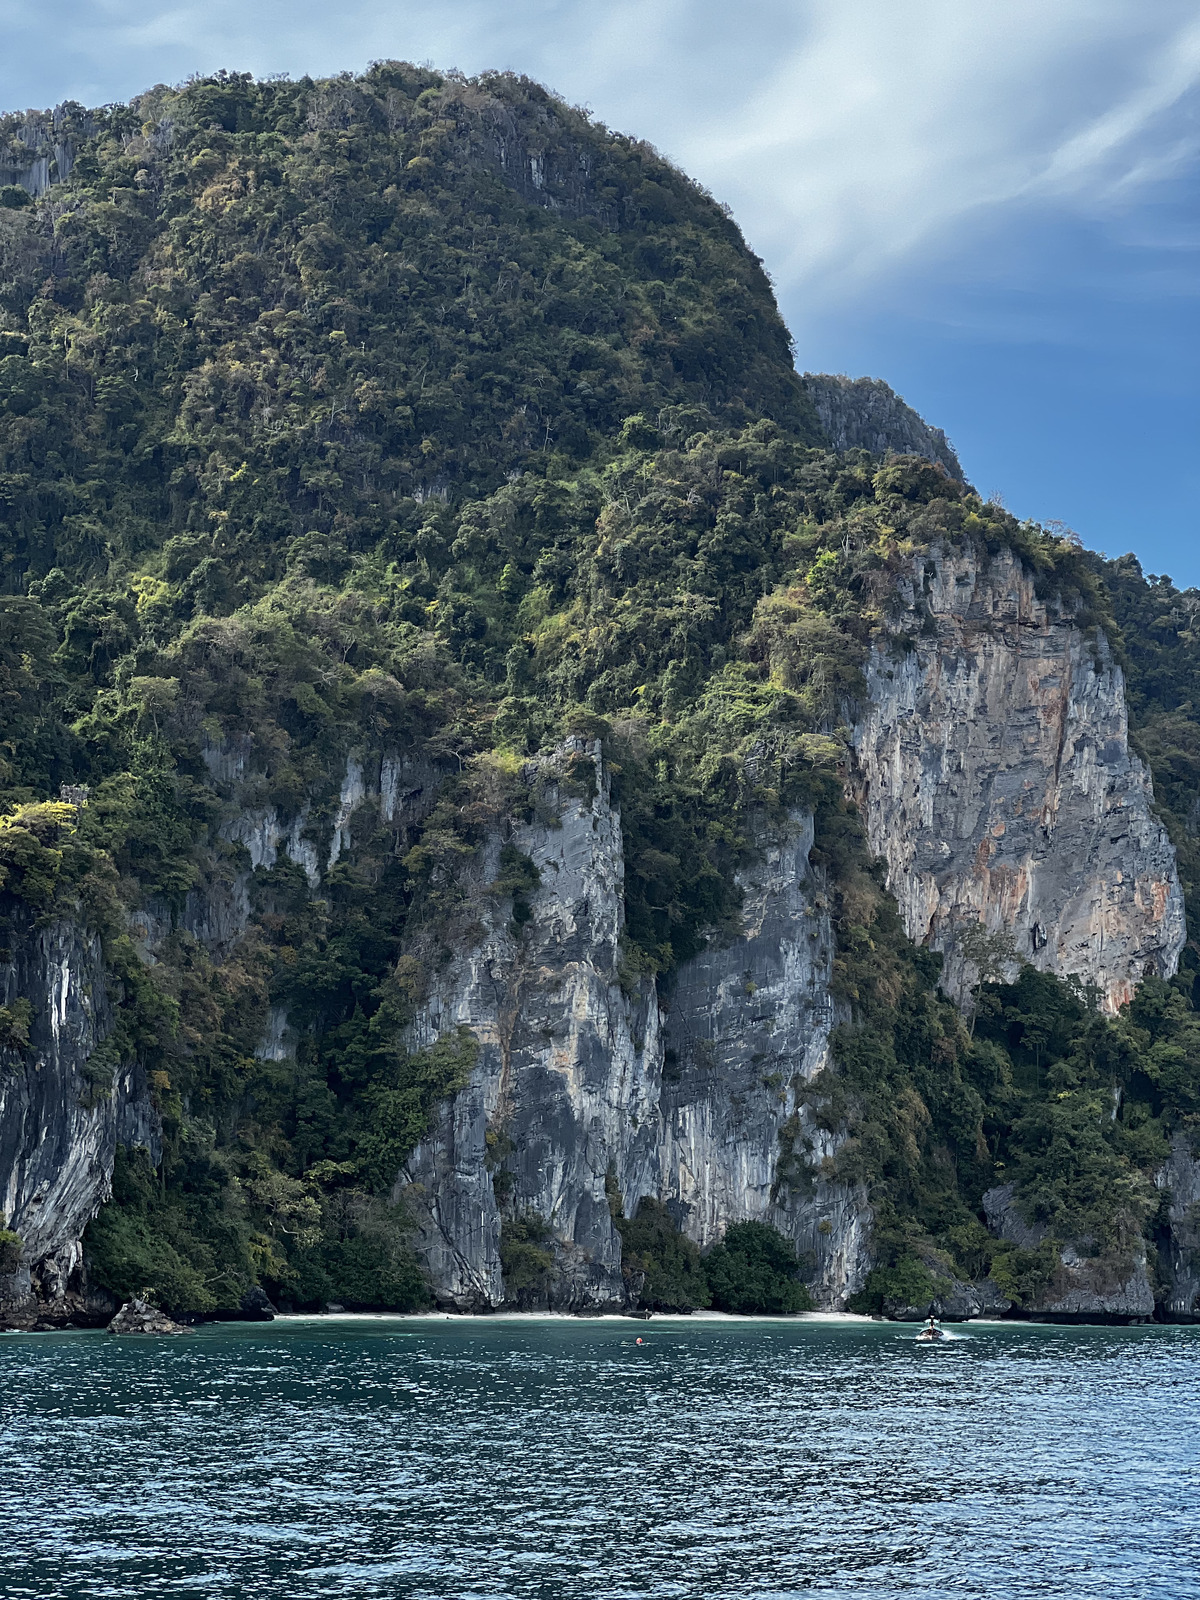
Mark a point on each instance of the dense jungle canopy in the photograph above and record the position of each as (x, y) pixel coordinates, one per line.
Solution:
(427, 411)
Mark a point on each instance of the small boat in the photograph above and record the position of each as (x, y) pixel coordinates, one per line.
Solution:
(930, 1333)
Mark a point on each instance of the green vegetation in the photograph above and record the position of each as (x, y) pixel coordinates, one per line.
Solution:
(1072, 1108)
(280, 311)
(14, 1025)
(403, 412)
(526, 1259)
(179, 1252)
(905, 1285)
(10, 1249)
(661, 1266)
(754, 1270)
(1159, 640)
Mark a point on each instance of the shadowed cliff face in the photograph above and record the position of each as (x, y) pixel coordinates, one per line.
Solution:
(996, 780)
(64, 1106)
(866, 414)
(747, 1033)
(1179, 1245)
(60, 1123)
(1087, 1285)
(564, 1094)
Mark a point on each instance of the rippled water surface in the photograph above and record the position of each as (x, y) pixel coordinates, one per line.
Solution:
(422, 1458)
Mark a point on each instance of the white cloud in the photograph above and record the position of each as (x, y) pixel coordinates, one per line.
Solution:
(1166, 79)
(891, 125)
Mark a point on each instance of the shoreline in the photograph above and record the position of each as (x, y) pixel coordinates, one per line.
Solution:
(675, 1320)
(484, 1318)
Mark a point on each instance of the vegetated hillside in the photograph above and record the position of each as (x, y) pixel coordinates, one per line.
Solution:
(266, 312)
(410, 412)
(1160, 637)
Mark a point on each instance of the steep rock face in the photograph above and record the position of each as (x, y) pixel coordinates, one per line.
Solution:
(1179, 1249)
(397, 787)
(570, 1095)
(400, 787)
(747, 1032)
(1086, 1287)
(60, 1123)
(40, 148)
(567, 1079)
(865, 414)
(958, 1301)
(62, 1113)
(994, 773)
(996, 780)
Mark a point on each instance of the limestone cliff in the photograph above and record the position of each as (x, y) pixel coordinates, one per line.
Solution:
(865, 414)
(62, 1114)
(1179, 1241)
(746, 1035)
(563, 1100)
(994, 772)
(64, 1107)
(992, 767)
(397, 789)
(1088, 1285)
(579, 1088)
(39, 149)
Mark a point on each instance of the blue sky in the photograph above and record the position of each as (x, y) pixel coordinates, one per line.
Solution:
(992, 204)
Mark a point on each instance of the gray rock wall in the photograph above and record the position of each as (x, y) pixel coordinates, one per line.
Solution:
(1089, 1286)
(747, 1033)
(576, 1081)
(1179, 1249)
(996, 780)
(59, 1123)
(703, 1097)
(865, 414)
(567, 1079)
(41, 149)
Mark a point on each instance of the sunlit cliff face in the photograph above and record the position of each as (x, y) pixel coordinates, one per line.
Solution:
(994, 772)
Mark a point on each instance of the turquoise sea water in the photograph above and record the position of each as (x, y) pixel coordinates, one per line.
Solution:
(554, 1458)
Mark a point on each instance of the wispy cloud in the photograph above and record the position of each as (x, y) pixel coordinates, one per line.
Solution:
(890, 126)
(1166, 79)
